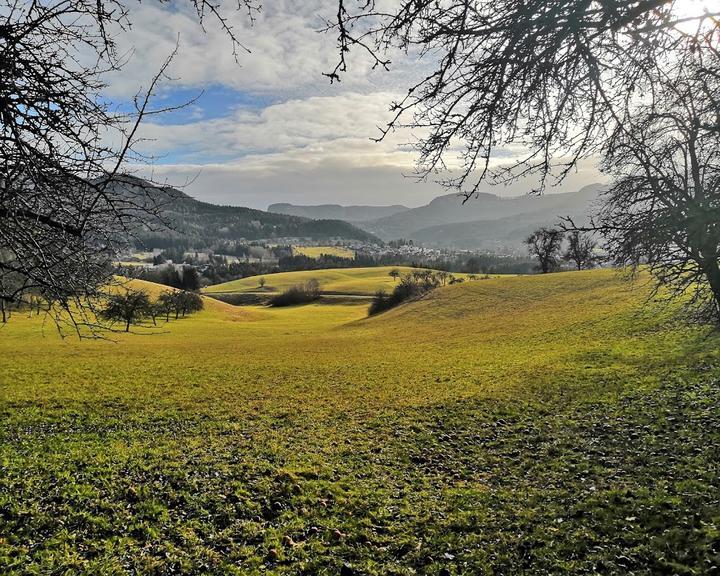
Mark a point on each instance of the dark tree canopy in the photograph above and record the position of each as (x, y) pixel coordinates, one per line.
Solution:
(62, 147)
(663, 210)
(549, 76)
(544, 245)
(128, 307)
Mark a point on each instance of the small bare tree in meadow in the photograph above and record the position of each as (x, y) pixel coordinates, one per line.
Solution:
(580, 250)
(544, 244)
(129, 307)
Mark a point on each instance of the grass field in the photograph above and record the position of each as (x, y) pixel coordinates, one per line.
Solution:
(546, 425)
(317, 251)
(359, 281)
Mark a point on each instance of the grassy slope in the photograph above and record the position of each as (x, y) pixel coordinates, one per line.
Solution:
(502, 425)
(340, 280)
(317, 251)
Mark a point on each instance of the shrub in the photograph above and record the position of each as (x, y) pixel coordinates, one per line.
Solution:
(410, 286)
(380, 303)
(300, 294)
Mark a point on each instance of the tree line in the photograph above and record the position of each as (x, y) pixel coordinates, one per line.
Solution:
(545, 245)
(129, 306)
(410, 286)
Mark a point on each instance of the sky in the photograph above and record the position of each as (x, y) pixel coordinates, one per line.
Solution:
(270, 127)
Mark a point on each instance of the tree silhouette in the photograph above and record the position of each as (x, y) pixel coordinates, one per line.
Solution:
(551, 76)
(663, 209)
(64, 210)
(544, 244)
(129, 307)
(580, 250)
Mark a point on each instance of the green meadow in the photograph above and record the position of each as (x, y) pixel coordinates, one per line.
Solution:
(556, 424)
(353, 281)
(317, 251)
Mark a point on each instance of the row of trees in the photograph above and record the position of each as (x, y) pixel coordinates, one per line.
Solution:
(546, 246)
(135, 306)
(184, 277)
(439, 277)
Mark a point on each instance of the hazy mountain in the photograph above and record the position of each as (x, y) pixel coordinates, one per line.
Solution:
(335, 211)
(488, 221)
(200, 224)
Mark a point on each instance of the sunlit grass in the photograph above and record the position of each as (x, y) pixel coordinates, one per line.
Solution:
(365, 281)
(553, 416)
(317, 251)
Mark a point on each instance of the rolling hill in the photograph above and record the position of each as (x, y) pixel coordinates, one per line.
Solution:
(355, 281)
(539, 424)
(201, 225)
(338, 212)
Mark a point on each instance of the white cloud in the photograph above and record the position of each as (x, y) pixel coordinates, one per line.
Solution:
(288, 55)
(311, 145)
(319, 125)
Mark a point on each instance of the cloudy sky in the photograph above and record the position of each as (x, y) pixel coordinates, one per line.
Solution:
(270, 127)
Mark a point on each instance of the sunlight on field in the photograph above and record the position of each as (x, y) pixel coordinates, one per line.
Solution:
(295, 440)
(484, 336)
(317, 251)
(365, 281)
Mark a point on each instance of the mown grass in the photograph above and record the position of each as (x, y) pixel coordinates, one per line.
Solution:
(541, 425)
(317, 251)
(360, 281)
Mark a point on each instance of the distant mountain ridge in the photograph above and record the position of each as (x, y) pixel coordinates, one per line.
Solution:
(337, 212)
(487, 222)
(201, 224)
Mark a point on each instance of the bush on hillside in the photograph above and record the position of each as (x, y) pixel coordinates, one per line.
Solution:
(299, 294)
(410, 286)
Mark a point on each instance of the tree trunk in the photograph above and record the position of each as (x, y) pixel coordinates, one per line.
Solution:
(2, 307)
(712, 272)
(127, 325)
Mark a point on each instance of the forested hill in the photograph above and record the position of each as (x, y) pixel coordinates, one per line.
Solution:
(338, 212)
(201, 224)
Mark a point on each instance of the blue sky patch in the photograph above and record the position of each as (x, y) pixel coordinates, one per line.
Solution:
(210, 103)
